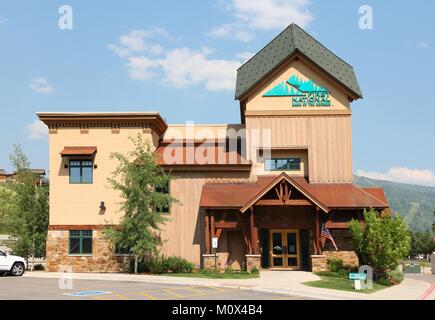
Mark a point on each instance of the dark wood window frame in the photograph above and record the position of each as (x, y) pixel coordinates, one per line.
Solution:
(83, 163)
(292, 164)
(80, 235)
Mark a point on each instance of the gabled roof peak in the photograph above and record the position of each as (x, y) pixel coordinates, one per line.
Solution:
(291, 40)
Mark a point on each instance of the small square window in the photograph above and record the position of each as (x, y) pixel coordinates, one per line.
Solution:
(80, 242)
(80, 171)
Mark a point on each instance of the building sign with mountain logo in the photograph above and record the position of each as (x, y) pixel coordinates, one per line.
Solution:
(303, 93)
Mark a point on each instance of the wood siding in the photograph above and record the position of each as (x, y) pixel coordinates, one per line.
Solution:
(327, 138)
(183, 233)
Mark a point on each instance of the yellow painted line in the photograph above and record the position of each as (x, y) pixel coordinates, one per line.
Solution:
(120, 296)
(209, 294)
(195, 290)
(149, 296)
(174, 293)
(216, 288)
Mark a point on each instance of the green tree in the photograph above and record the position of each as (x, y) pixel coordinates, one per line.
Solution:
(382, 243)
(19, 159)
(25, 209)
(138, 178)
(421, 243)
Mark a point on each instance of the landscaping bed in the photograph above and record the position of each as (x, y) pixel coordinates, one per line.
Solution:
(216, 275)
(340, 283)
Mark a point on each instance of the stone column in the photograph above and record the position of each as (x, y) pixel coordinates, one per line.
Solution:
(319, 263)
(210, 259)
(253, 261)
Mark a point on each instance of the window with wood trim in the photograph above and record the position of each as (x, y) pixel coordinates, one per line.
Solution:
(81, 171)
(282, 164)
(80, 242)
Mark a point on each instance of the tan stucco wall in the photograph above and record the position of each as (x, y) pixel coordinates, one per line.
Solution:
(78, 204)
(193, 131)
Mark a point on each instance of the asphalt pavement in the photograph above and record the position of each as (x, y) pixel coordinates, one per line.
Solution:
(20, 288)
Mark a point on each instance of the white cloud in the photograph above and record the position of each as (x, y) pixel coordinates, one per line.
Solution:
(262, 15)
(179, 67)
(232, 31)
(402, 174)
(134, 42)
(184, 67)
(37, 130)
(3, 21)
(141, 68)
(273, 14)
(41, 85)
(423, 45)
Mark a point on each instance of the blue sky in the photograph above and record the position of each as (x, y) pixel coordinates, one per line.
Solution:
(120, 56)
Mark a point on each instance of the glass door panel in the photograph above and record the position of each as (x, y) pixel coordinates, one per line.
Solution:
(277, 243)
(284, 249)
(292, 247)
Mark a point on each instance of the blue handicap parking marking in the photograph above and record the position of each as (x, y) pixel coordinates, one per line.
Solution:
(87, 293)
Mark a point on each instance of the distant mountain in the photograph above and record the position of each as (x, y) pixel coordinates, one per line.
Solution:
(415, 204)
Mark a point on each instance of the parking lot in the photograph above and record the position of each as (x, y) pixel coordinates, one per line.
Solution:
(49, 289)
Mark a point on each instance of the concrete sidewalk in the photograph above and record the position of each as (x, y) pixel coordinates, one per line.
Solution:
(283, 282)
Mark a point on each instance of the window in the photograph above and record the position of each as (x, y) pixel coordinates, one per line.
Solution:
(282, 164)
(80, 242)
(80, 171)
(165, 190)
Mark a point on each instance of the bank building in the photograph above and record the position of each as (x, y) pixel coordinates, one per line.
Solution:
(262, 190)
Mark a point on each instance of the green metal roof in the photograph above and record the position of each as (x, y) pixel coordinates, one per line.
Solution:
(288, 42)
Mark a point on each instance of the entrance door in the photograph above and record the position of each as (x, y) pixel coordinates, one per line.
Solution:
(284, 249)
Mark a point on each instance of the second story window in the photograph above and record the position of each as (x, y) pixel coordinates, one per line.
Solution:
(80, 171)
(282, 164)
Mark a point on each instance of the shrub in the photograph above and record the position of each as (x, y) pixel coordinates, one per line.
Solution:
(395, 277)
(38, 267)
(382, 243)
(178, 265)
(328, 274)
(255, 271)
(391, 278)
(335, 264)
(162, 264)
(229, 270)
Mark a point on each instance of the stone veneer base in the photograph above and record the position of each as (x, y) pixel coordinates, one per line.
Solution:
(102, 259)
(253, 261)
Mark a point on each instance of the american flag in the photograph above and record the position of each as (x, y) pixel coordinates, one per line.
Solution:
(325, 234)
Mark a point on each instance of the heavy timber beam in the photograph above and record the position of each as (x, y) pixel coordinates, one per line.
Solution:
(299, 202)
(207, 231)
(254, 232)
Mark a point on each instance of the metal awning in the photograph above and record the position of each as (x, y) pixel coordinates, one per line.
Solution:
(78, 151)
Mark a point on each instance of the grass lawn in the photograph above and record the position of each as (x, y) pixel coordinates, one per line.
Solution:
(341, 284)
(218, 275)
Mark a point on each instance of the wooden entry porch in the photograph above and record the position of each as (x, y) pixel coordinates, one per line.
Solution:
(282, 208)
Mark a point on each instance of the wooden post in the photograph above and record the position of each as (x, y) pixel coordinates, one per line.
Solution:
(212, 227)
(318, 244)
(207, 231)
(254, 233)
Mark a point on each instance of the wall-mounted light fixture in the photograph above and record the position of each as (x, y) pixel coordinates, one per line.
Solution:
(102, 205)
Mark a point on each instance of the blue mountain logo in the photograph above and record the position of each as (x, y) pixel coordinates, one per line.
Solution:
(303, 93)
